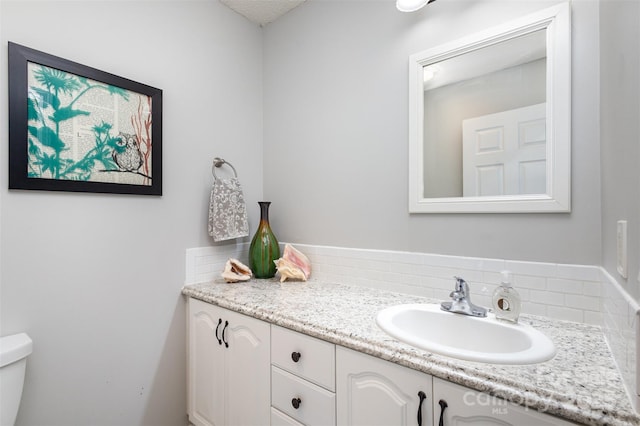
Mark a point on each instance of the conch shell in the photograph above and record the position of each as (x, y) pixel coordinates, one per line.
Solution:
(235, 271)
(293, 264)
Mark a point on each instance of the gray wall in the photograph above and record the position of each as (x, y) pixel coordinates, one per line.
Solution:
(620, 133)
(336, 129)
(95, 279)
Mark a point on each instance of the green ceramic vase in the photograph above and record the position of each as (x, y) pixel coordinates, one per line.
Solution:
(264, 247)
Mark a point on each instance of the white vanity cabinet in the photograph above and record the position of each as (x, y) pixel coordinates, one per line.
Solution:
(243, 371)
(302, 379)
(229, 377)
(376, 392)
(456, 405)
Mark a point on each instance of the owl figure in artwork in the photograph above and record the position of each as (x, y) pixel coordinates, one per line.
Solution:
(127, 153)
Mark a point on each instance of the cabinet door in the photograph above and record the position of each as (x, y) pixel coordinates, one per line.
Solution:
(229, 367)
(247, 372)
(206, 366)
(372, 392)
(468, 407)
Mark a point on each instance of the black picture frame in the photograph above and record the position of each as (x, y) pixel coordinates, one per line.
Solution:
(55, 146)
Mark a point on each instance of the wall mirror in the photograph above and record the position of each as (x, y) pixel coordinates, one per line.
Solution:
(490, 120)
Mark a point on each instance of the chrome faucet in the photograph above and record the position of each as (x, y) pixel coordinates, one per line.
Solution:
(461, 301)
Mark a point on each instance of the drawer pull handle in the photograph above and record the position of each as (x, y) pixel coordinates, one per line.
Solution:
(443, 406)
(296, 403)
(295, 356)
(226, 344)
(422, 397)
(217, 327)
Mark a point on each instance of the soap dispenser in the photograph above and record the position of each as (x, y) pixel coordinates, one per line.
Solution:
(506, 300)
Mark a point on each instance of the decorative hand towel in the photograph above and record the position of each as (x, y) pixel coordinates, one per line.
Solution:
(227, 210)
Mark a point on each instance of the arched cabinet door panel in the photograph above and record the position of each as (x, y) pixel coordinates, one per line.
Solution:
(465, 407)
(229, 368)
(376, 392)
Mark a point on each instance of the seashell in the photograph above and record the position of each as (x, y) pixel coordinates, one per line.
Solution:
(287, 269)
(293, 264)
(235, 271)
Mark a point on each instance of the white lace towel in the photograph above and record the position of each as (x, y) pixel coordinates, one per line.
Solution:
(227, 210)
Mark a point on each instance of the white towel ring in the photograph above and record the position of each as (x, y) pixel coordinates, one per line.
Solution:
(218, 162)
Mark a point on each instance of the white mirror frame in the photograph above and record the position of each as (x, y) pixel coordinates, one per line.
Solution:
(557, 21)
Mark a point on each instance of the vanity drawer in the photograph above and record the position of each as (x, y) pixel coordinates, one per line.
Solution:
(278, 418)
(316, 405)
(316, 359)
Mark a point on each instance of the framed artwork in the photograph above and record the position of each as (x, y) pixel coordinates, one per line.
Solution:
(76, 128)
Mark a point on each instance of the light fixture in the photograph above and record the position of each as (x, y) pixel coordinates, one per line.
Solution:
(411, 5)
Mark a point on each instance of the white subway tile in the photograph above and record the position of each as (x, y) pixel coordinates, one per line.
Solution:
(529, 282)
(472, 277)
(563, 285)
(531, 268)
(579, 272)
(593, 318)
(417, 269)
(401, 268)
(493, 265)
(407, 257)
(204, 260)
(492, 277)
(444, 272)
(307, 249)
(525, 293)
(546, 297)
(586, 303)
(441, 284)
(564, 313)
(592, 288)
(482, 300)
(440, 294)
(534, 308)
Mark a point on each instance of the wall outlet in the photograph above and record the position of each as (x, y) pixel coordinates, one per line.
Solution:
(622, 247)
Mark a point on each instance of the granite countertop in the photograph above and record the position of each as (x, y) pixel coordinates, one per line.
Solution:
(581, 383)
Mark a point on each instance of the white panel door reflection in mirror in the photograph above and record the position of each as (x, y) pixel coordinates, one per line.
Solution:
(505, 153)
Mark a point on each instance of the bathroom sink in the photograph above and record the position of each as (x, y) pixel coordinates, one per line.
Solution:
(489, 340)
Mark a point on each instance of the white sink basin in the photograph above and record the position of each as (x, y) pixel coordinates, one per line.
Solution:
(460, 336)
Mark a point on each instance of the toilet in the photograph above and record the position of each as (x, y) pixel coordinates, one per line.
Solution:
(14, 351)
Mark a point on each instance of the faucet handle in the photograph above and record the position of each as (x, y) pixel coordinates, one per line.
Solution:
(461, 289)
(461, 285)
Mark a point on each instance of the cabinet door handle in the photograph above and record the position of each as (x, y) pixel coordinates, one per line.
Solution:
(295, 356)
(226, 344)
(422, 397)
(443, 406)
(217, 327)
(296, 403)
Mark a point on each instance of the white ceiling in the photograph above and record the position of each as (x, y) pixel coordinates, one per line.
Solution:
(262, 12)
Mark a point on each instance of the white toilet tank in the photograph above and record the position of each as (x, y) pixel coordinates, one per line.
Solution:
(13, 361)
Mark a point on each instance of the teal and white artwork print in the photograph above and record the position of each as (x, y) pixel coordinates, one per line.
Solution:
(83, 130)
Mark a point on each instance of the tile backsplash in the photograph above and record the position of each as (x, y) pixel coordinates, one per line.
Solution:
(579, 293)
(622, 330)
(568, 292)
(206, 263)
